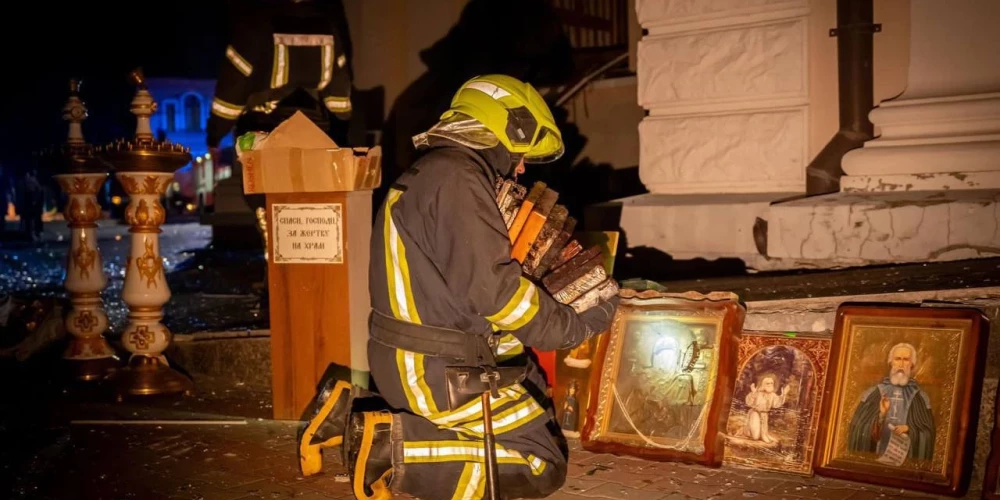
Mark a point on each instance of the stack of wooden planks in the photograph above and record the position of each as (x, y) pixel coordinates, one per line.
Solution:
(541, 235)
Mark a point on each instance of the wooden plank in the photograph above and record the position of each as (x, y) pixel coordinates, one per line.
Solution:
(536, 221)
(607, 240)
(554, 251)
(547, 237)
(581, 285)
(522, 214)
(603, 291)
(510, 199)
(570, 271)
(573, 271)
(572, 249)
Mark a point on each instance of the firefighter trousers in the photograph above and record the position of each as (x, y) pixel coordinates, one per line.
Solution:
(438, 453)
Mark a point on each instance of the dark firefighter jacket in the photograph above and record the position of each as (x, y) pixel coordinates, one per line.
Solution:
(440, 256)
(278, 51)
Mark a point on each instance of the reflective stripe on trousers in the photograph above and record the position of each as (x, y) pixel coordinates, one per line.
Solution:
(442, 451)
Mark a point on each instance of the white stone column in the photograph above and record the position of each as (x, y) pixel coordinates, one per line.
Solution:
(928, 187)
(943, 132)
(726, 87)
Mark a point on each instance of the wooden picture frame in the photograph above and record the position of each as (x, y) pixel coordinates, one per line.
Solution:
(776, 402)
(991, 484)
(902, 396)
(663, 376)
(573, 369)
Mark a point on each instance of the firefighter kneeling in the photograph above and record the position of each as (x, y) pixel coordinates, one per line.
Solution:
(445, 293)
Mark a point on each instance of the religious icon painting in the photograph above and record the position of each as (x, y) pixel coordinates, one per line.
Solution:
(991, 485)
(663, 376)
(902, 394)
(775, 403)
(572, 390)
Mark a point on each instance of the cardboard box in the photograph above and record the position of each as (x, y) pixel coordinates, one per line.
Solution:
(298, 157)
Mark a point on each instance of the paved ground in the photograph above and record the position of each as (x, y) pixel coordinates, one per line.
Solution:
(48, 456)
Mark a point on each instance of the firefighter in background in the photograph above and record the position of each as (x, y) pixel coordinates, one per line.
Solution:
(284, 57)
(445, 292)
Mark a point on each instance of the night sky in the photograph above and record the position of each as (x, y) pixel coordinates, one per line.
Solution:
(98, 43)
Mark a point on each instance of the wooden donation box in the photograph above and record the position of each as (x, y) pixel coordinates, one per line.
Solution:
(319, 218)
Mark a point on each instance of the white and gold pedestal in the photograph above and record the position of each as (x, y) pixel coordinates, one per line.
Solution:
(89, 354)
(145, 167)
(146, 291)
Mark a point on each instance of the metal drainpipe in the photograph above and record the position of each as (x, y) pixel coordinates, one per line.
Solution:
(854, 34)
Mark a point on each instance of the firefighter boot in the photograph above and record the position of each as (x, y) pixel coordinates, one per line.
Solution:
(325, 428)
(368, 454)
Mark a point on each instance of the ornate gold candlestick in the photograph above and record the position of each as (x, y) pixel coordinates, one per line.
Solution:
(145, 167)
(89, 355)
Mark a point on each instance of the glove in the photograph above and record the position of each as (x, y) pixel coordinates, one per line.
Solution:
(597, 319)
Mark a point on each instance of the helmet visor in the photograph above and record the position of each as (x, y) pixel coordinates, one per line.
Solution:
(548, 148)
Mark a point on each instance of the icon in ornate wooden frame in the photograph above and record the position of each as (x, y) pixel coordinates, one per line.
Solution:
(902, 396)
(663, 376)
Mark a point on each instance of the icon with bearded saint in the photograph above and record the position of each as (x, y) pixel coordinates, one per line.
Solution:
(893, 418)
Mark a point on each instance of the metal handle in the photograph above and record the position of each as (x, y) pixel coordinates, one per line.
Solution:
(489, 442)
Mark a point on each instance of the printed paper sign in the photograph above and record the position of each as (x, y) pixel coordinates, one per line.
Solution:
(308, 233)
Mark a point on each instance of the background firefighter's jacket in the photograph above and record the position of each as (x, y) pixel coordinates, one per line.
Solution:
(283, 57)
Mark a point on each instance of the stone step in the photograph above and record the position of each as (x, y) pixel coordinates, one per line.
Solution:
(682, 227)
(859, 228)
(242, 359)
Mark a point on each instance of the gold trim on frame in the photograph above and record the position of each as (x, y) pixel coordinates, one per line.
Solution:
(943, 440)
(607, 402)
(958, 393)
(722, 311)
(816, 349)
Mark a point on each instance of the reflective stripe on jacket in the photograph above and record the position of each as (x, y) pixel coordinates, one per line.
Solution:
(440, 256)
